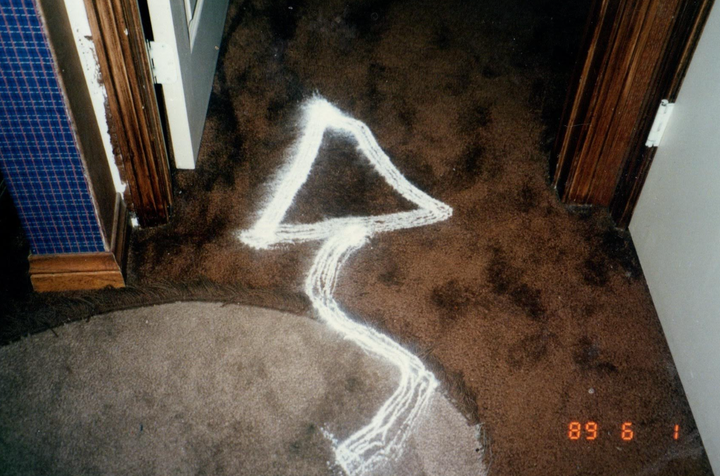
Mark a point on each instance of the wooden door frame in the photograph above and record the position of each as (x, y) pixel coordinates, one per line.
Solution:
(132, 108)
(635, 53)
(70, 270)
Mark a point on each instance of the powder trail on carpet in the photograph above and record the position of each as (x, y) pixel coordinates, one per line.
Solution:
(369, 448)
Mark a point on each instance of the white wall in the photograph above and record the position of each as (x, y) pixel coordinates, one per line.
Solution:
(676, 230)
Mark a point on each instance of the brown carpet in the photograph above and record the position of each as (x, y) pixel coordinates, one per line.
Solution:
(200, 388)
(533, 315)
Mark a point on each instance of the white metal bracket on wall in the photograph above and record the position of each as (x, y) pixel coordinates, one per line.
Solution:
(662, 117)
(162, 62)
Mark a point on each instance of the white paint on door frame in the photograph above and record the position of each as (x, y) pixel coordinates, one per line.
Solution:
(77, 15)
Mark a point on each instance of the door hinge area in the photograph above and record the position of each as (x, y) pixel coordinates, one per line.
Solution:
(162, 62)
(662, 117)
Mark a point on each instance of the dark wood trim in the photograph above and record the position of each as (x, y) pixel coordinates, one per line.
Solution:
(133, 116)
(76, 281)
(120, 239)
(636, 52)
(72, 263)
(75, 271)
(684, 37)
(580, 97)
(81, 271)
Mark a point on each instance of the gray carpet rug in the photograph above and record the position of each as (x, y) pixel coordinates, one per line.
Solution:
(205, 388)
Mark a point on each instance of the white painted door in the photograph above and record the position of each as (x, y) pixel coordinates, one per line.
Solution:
(676, 230)
(187, 36)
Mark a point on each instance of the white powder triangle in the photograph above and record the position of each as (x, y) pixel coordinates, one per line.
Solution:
(320, 116)
(368, 449)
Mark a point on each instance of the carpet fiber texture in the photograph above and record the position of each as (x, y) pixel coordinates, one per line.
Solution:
(533, 315)
(202, 388)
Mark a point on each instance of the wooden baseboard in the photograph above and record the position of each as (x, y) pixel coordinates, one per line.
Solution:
(77, 281)
(82, 271)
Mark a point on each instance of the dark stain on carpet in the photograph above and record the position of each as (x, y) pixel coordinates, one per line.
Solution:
(530, 350)
(393, 275)
(529, 299)
(283, 17)
(477, 117)
(587, 357)
(527, 198)
(442, 37)
(453, 298)
(501, 275)
(519, 304)
(471, 166)
(368, 17)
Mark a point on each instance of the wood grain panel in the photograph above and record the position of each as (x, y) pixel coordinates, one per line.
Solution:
(684, 37)
(72, 263)
(581, 98)
(133, 116)
(76, 281)
(634, 52)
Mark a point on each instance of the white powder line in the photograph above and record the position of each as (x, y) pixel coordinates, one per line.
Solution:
(385, 435)
(319, 117)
